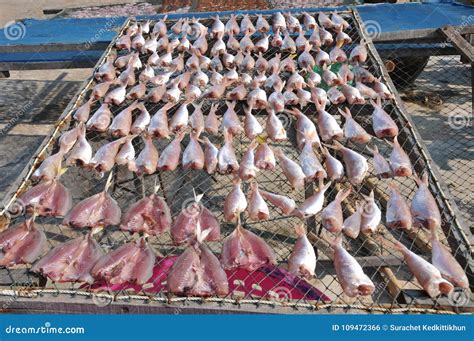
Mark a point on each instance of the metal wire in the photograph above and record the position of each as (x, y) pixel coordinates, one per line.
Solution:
(177, 188)
(201, 300)
(440, 100)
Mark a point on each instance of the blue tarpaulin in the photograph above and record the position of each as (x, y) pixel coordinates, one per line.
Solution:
(389, 17)
(60, 31)
(415, 16)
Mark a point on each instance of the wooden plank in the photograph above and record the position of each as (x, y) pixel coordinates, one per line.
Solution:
(73, 31)
(464, 303)
(393, 285)
(462, 45)
(75, 304)
(81, 64)
(415, 51)
(100, 45)
(428, 35)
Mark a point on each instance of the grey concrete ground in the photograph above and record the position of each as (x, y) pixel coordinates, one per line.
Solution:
(440, 104)
(30, 103)
(19, 9)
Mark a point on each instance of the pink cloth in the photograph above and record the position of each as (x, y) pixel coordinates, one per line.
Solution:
(269, 282)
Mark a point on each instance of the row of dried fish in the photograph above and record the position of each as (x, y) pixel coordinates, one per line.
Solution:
(195, 30)
(196, 63)
(424, 209)
(171, 54)
(259, 155)
(295, 93)
(51, 198)
(271, 93)
(199, 272)
(315, 40)
(169, 85)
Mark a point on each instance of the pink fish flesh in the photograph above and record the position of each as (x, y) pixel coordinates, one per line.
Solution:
(21, 244)
(48, 198)
(150, 215)
(99, 210)
(244, 249)
(130, 263)
(197, 272)
(71, 261)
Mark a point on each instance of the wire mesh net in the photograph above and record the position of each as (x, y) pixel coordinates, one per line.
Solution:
(439, 98)
(395, 287)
